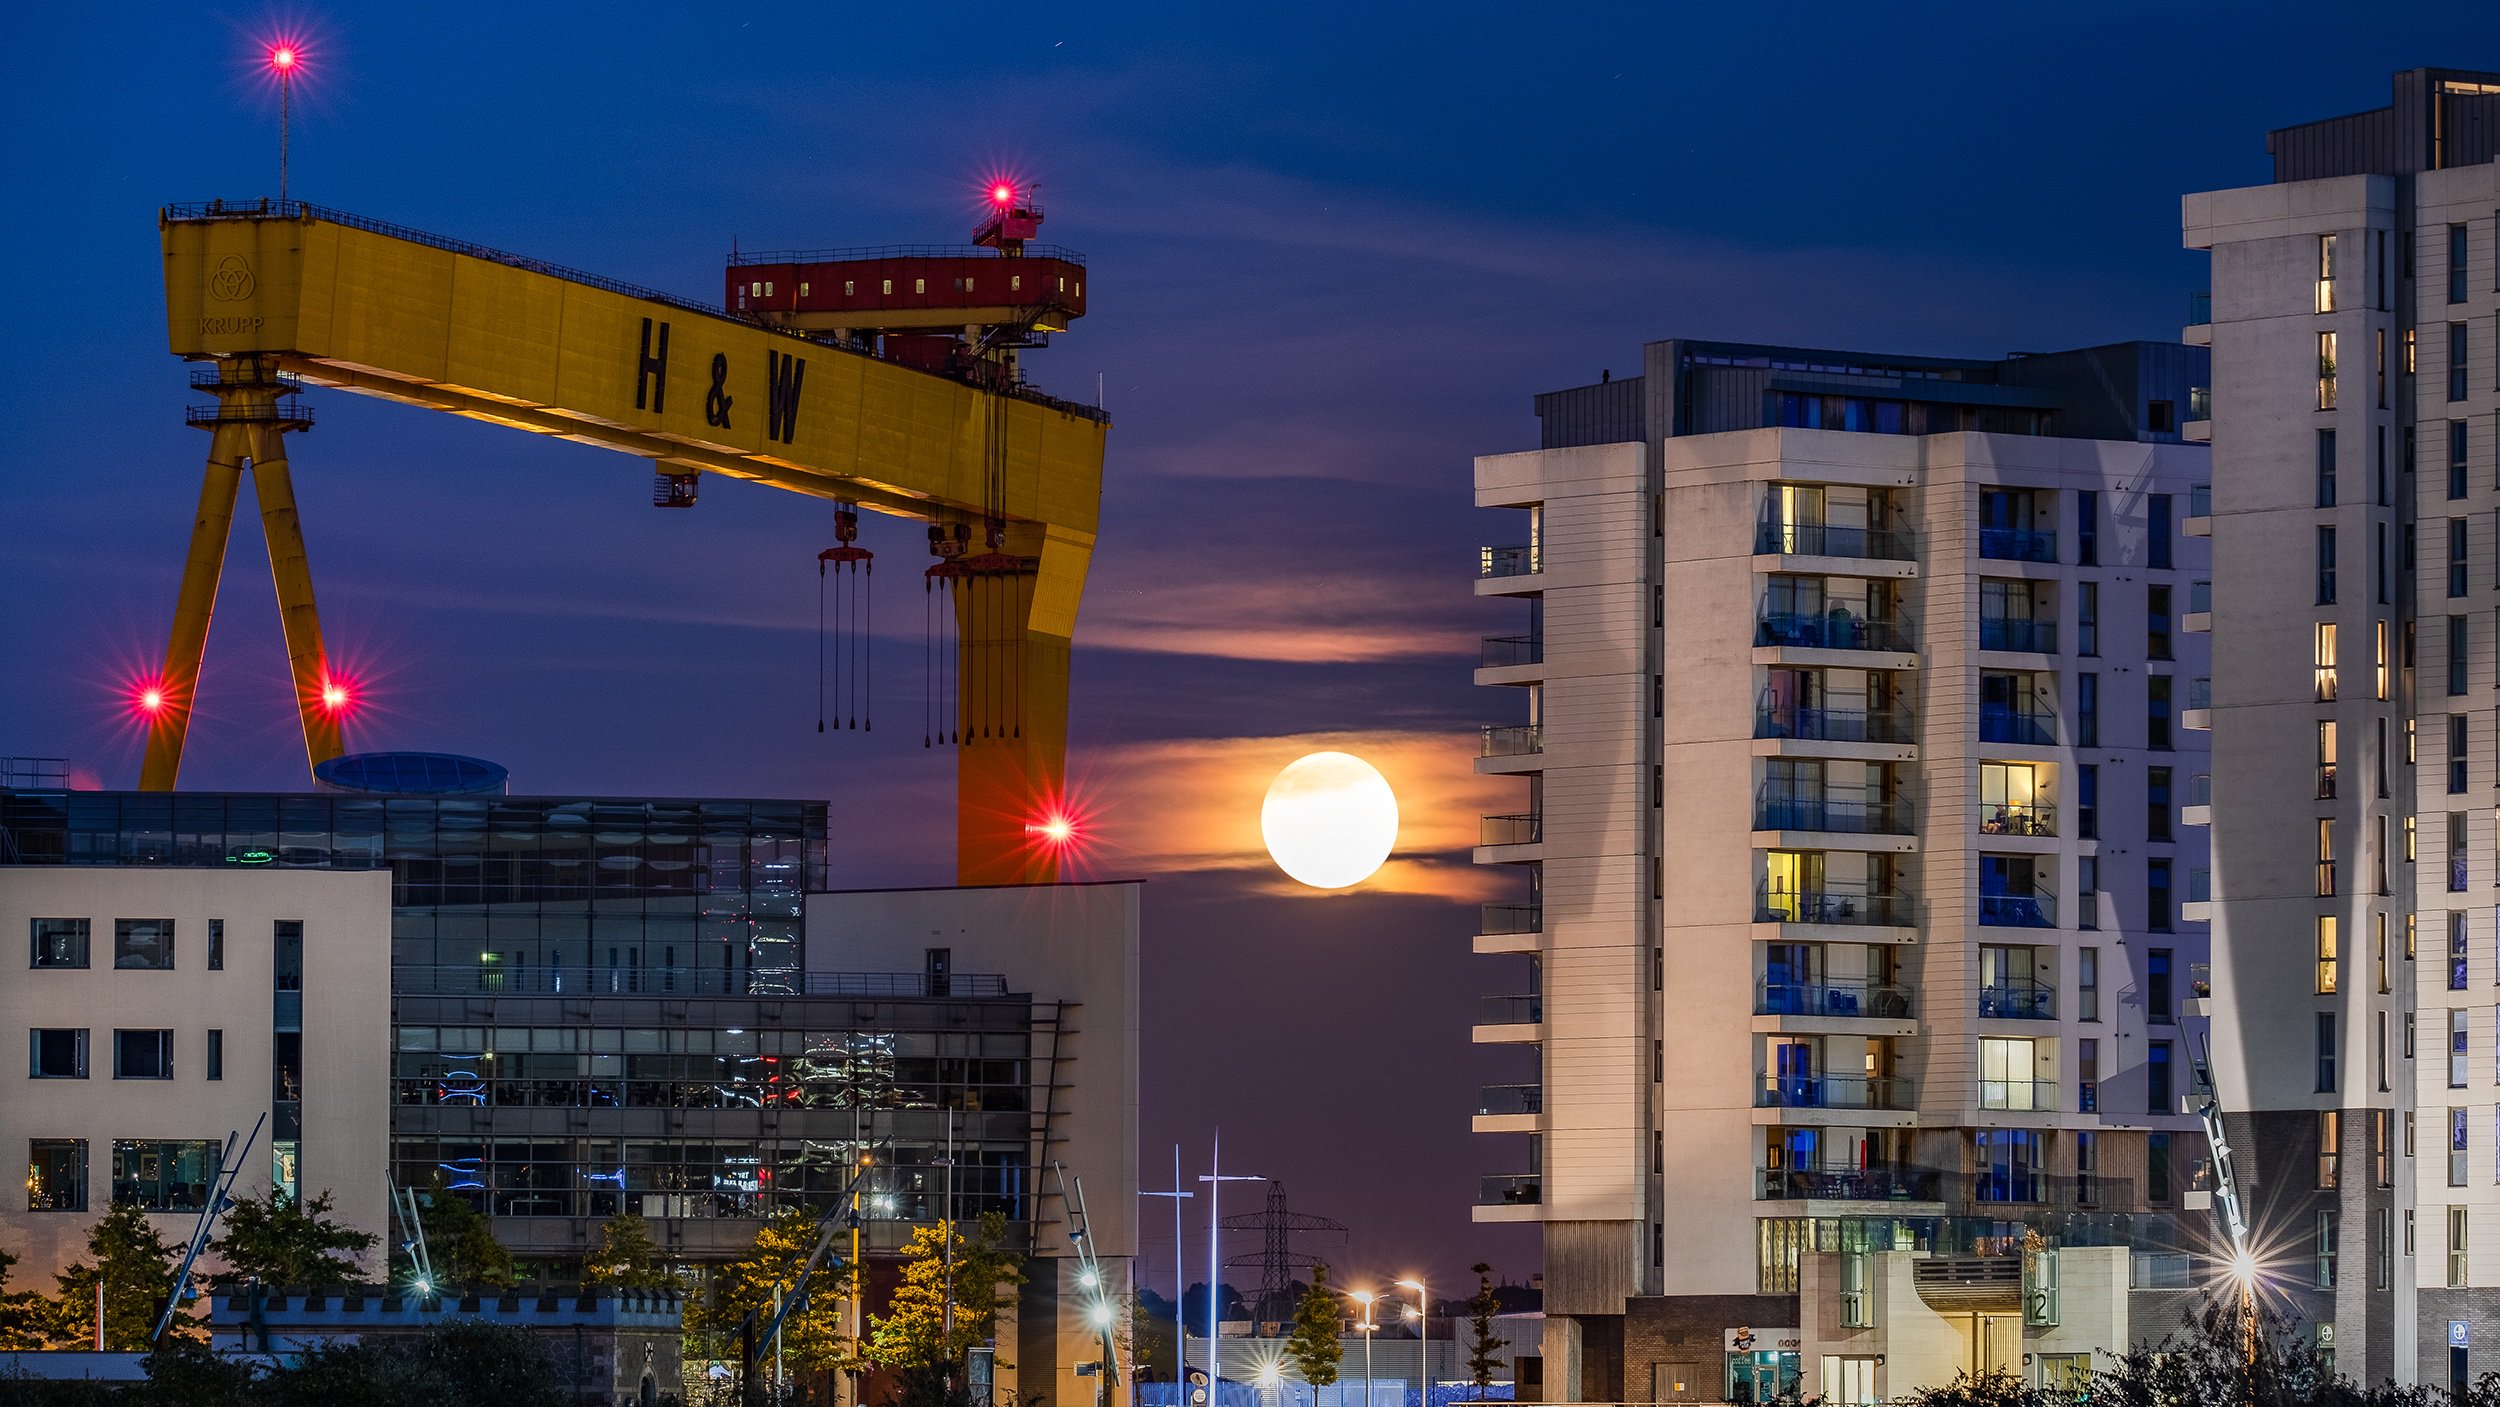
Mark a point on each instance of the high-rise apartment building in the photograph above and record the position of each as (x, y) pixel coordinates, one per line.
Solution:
(1858, 716)
(2356, 378)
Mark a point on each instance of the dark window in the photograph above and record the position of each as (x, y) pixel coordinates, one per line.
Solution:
(2326, 1052)
(2159, 1096)
(144, 943)
(2157, 1167)
(2087, 710)
(57, 942)
(216, 945)
(2157, 712)
(2378, 560)
(2456, 754)
(2379, 467)
(2157, 905)
(57, 1053)
(286, 938)
(2456, 556)
(2456, 459)
(2157, 529)
(2456, 263)
(2326, 566)
(143, 1055)
(216, 1067)
(2456, 361)
(2157, 622)
(2157, 803)
(2157, 1004)
(2088, 801)
(2161, 417)
(2456, 852)
(2458, 642)
(2087, 618)
(56, 1175)
(2326, 468)
(2088, 527)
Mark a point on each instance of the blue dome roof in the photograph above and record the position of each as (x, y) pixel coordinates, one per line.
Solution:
(413, 774)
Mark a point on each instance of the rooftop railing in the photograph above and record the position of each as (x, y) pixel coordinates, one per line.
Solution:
(552, 979)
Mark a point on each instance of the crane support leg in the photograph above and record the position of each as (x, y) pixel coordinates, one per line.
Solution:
(179, 681)
(292, 572)
(1014, 634)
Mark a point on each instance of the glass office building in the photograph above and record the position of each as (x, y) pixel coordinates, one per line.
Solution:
(603, 1005)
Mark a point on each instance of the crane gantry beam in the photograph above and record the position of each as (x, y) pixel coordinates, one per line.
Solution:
(277, 292)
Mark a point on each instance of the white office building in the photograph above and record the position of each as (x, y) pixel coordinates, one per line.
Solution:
(1856, 706)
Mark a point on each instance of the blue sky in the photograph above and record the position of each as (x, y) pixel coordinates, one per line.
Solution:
(1335, 250)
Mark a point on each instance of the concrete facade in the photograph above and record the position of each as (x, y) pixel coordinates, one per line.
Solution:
(1852, 759)
(2352, 322)
(228, 985)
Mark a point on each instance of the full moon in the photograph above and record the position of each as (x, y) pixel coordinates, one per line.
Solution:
(1330, 819)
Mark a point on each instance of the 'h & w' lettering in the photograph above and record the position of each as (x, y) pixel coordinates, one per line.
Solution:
(782, 375)
(651, 371)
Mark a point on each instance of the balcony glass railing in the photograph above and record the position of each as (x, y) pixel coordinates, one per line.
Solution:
(2200, 790)
(2018, 910)
(1514, 740)
(2018, 544)
(2200, 886)
(2200, 309)
(1508, 561)
(1504, 651)
(1833, 630)
(2039, 818)
(1830, 999)
(1773, 812)
(1525, 828)
(1510, 1190)
(1853, 1184)
(1832, 1092)
(2200, 597)
(2037, 637)
(1834, 725)
(2018, 1095)
(1824, 540)
(2030, 727)
(1511, 1099)
(1512, 918)
(2019, 1001)
(2201, 501)
(2200, 692)
(1831, 906)
(1525, 1009)
(2200, 403)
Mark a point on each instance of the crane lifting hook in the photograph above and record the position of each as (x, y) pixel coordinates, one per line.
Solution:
(850, 581)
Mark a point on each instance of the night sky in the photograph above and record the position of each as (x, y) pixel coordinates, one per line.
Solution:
(1335, 250)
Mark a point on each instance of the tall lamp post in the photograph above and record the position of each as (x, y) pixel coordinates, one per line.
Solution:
(1423, 1340)
(1365, 1298)
(1215, 1177)
(1180, 1267)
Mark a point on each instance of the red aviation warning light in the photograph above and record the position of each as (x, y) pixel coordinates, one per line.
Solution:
(147, 699)
(1002, 194)
(283, 58)
(336, 695)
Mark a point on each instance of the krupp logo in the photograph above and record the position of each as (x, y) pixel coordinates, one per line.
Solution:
(232, 283)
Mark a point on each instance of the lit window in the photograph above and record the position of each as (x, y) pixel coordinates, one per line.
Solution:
(2326, 955)
(2326, 371)
(1015, 283)
(889, 285)
(2325, 661)
(848, 289)
(756, 289)
(920, 285)
(802, 288)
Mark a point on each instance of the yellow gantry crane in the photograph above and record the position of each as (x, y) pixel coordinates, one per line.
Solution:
(280, 295)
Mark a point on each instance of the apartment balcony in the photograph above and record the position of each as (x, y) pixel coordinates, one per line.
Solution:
(1831, 999)
(2199, 619)
(2018, 1001)
(1834, 1092)
(2018, 910)
(1833, 816)
(1835, 630)
(1510, 1190)
(1509, 1108)
(2030, 637)
(1510, 1020)
(1848, 908)
(1508, 920)
(1498, 562)
(2199, 712)
(2198, 809)
(2199, 331)
(2038, 819)
(2200, 513)
(2019, 726)
(2199, 426)
(1511, 651)
(1520, 828)
(2018, 545)
(1513, 740)
(1902, 1184)
(1825, 540)
(2019, 1096)
(1835, 725)
(2198, 906)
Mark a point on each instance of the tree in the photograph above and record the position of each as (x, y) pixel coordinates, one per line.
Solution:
(1312, 1346)
(280, 1240)
(460, 1363)
(135, 1266)
(24, 1314)
(911, 1336)
(626, 1257)
(1484, 1351)
(811, 1334)
(460, 1241)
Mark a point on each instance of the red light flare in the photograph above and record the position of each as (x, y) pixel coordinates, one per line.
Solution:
(283, 56)
(149, 699)
(338, 695)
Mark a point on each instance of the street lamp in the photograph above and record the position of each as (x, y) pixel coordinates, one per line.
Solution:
(1215, 1177)
(1364, 1298)
(1423, 1340)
